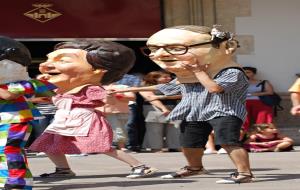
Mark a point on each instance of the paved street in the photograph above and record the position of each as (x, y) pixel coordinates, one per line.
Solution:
(274, 171)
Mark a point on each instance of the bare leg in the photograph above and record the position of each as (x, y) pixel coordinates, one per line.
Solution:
(194, 166)
(124, 157)
(193, 157)
(138, 169)
(59, 160)
(121, 145)
(210, 143)
(239, 157)
(283, 146)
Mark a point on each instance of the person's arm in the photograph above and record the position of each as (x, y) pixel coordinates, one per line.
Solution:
(268, 90)
(40, 100)
(164, 97)
(252, 138)
(134, 89)
(165, 111)
(284, 138)
(208, 83)
(252, 141)
(6, 95)
(295, 110)
(295, 97)
(200, 73)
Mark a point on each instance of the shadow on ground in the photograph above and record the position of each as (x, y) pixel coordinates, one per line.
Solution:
(112, 184)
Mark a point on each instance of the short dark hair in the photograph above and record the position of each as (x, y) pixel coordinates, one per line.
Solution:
(253, 69)
(116, 58)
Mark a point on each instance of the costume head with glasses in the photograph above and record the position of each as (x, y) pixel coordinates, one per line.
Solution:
(173, 47)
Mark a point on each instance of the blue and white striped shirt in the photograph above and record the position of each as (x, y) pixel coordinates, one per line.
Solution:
(197, 104)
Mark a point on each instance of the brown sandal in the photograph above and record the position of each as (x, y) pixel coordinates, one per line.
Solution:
(186, 171)
(237, 177)
(59, 173)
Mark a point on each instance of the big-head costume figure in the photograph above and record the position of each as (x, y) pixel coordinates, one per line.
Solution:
(78, 69)
(213, 89)
(16, 113)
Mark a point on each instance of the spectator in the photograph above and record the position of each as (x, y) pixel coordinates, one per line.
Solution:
(295, 97)
(266, 138)
(257, 111)
(135, 125)
(117, 112)
(157, 126)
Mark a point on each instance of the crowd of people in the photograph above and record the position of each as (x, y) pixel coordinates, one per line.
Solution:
(201, 98)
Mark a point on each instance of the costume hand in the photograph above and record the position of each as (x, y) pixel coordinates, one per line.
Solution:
(114, 91)
(40, 99)
(194, 67)
(166, 112)
(110, 91)
(43, 77)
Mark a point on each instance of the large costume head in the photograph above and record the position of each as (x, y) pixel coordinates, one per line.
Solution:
(78, 63)
(14, 59)
(174, 47)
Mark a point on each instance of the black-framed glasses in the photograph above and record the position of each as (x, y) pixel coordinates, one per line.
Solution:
(174, 49)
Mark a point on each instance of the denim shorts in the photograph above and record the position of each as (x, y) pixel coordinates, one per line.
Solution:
(194, 134)
(118, 122)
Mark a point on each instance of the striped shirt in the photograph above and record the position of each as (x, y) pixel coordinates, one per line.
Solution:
(197, 104)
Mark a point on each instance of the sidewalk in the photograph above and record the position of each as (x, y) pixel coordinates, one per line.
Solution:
(273, 171)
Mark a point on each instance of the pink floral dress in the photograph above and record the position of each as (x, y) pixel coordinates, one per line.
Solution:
(77, 127)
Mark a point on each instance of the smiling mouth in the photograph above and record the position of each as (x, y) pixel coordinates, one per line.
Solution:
(168, 60)
(53, 73)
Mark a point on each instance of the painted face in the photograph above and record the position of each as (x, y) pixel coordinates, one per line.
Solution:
(174, 63)
(68, 68)
(11, 71)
